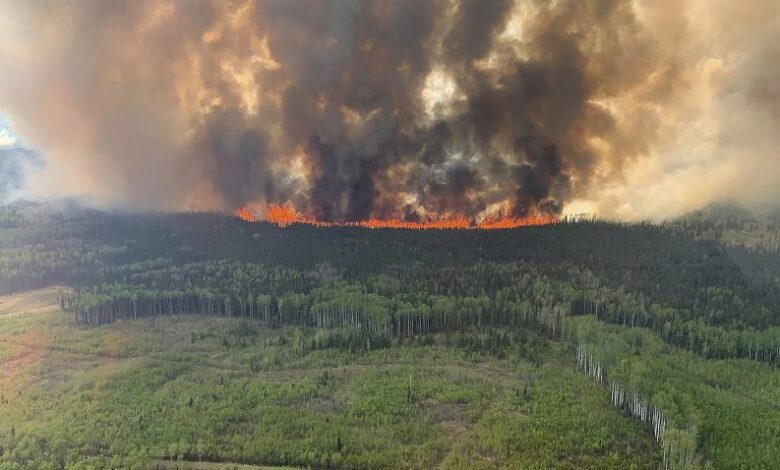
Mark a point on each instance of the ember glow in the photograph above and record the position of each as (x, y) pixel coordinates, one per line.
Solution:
(284, 216)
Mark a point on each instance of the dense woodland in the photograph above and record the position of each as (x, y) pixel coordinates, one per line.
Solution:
(706, 285)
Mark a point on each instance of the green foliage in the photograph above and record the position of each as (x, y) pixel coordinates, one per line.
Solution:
(723, 408)
(351, 348)
(175, 400)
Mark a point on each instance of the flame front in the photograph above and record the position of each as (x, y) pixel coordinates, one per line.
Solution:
(284, 216)
(244, 214)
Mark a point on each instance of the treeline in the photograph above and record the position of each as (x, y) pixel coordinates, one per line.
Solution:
(83, 248)
(705, 335)
(333, 305)
(678, 444)
(422, 300)
(734, 226)
(10, 218)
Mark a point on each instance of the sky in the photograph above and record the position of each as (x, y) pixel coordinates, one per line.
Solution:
(7, 137)
(16, 161)
(347, 109)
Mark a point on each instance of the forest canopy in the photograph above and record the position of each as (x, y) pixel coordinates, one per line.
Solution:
(622, 303)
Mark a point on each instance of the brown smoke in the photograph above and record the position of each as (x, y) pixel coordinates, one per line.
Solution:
(352, 109)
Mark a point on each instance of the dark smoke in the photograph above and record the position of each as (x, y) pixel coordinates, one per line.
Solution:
(237, 152)
(527, 110)
(192, 98)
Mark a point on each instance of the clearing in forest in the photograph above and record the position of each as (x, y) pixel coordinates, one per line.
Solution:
(34, 301)
(173, 391)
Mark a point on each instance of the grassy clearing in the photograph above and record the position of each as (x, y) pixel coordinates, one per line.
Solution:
(168, 465)
(184, 389)
(40, 300)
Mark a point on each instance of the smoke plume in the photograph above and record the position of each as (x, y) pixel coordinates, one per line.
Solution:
(352, 109)
(15, 162)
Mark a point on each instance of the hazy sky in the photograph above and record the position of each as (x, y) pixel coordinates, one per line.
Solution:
(7, 137)
(346, 109)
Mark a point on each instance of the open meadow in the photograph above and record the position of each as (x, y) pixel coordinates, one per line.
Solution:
(182, 391)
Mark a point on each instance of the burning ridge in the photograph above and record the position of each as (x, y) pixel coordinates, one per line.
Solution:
(284, 216)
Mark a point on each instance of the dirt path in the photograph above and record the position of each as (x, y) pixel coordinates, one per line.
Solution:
(34, 301)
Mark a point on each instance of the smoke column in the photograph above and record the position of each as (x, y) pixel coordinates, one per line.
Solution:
(346, 110)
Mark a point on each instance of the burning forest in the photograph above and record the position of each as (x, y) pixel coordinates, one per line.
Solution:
(284, 216)
(403, 113)
(392, 234)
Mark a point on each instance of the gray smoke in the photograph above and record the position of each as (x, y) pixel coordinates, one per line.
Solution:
(15, 162)
(349, 109)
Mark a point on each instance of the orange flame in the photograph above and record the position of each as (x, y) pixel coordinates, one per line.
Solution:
(244, 214)
(282, 215)
(514, 222)
(285, 216)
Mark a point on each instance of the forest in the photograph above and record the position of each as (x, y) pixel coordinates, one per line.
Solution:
(579, 344)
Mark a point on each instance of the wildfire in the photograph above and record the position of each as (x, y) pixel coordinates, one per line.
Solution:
(513, 222)
(282, 216)
(244, 214)
(285, 216)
